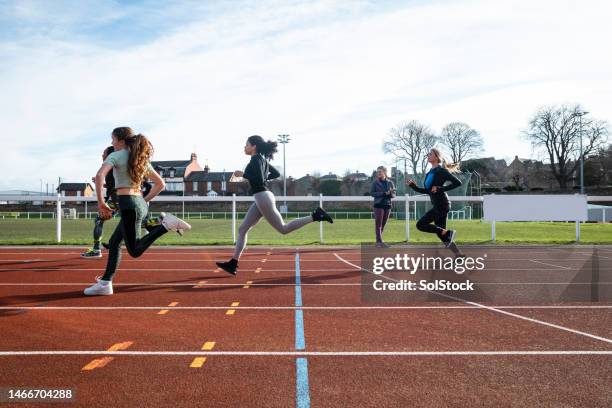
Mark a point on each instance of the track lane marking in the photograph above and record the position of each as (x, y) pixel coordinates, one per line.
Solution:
(308, 353)
(102, 362)
(496, 310)
(43, 308)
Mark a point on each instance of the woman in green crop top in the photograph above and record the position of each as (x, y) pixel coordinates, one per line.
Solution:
(130, 164)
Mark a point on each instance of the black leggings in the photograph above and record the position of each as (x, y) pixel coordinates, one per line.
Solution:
(133, 210)
(437, 215)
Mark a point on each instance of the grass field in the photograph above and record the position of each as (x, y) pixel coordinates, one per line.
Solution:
(218, 232)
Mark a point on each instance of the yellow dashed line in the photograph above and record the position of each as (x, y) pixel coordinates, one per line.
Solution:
(200, 284)
(247, 285)
(217, 270)
(257, 270)
(165, 311)
(198, 362)
(232, 311)
(97, 363)
(268, 253)
(209, 345)
(121, 346)
(101, 362)
(264, 260)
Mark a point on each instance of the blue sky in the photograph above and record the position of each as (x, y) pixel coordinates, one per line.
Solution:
(336, 75)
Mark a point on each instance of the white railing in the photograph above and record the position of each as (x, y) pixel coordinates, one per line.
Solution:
(406, 201)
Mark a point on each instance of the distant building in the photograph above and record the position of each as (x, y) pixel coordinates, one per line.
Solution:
(75, 190)
(307, 185)
(330, 177)
(174, 173)
(207, 183)
(357, 176)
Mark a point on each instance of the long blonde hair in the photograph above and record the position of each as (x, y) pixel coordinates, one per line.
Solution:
(451, 167)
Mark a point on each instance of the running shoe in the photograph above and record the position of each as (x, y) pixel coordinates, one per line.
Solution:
(230, 266)
(173, 223)
(449, 238)
(100, 288)
(320, 215)
(92, 254)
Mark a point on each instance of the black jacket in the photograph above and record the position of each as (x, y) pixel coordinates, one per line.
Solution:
(439, 199)
(379, 192)
(258, 172)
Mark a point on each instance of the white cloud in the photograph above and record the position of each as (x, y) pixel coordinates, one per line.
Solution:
(335, 75)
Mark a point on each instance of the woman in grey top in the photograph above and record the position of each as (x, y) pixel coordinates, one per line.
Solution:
(383, 191)
(130, 164)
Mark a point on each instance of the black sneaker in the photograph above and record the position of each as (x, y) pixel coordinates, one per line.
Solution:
(230, 266)
(320, 215)
(449, 238)
(92, 254)
(105, 245)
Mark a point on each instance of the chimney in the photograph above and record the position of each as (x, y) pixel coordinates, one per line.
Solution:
(206, 169)
(194, 157)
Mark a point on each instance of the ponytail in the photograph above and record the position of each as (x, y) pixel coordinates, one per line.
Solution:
(141, 151)
(267, 149)
(451, 167)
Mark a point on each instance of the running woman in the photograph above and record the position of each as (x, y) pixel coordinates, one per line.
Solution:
(258, 172)
(383, 190)
(111, 200)
(130, 163)
(434, 220)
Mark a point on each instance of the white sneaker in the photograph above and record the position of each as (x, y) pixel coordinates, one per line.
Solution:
(100, 288)
(174, 223)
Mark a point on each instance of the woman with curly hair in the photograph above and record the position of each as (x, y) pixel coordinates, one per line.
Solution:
(258, 172)
(130, 163)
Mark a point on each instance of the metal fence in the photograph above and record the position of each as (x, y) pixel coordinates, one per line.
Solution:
(405, 208)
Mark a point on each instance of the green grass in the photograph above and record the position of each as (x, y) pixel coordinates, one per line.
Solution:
(218, 232)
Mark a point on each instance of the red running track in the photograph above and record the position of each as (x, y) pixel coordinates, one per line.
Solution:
(165, 337)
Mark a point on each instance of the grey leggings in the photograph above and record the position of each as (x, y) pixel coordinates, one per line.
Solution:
(265, 206)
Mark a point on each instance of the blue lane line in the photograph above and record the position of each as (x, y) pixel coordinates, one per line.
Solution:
(300, 341)
(302, 395)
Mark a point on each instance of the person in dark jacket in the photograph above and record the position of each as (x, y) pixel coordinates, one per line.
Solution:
(434, 220)
(383, 191)
(258, 172)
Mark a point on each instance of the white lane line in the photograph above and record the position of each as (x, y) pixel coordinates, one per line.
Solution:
(554, 307)
(328, 270)
(549, 264)
(497, 310)
(308, 353)
(285, 284)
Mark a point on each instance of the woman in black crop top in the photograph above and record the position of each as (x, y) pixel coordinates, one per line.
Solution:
(258, 172)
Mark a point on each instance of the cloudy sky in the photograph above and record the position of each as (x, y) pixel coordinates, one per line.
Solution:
(336, 75)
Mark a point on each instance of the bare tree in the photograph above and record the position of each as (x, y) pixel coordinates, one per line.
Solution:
(461, 140)
(556, 130)
(411, 141)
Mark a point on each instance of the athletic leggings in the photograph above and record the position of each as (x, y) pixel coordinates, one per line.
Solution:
(265, 206)
(133, 210)
(437, 215)
(98, 230)
(381, 215)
